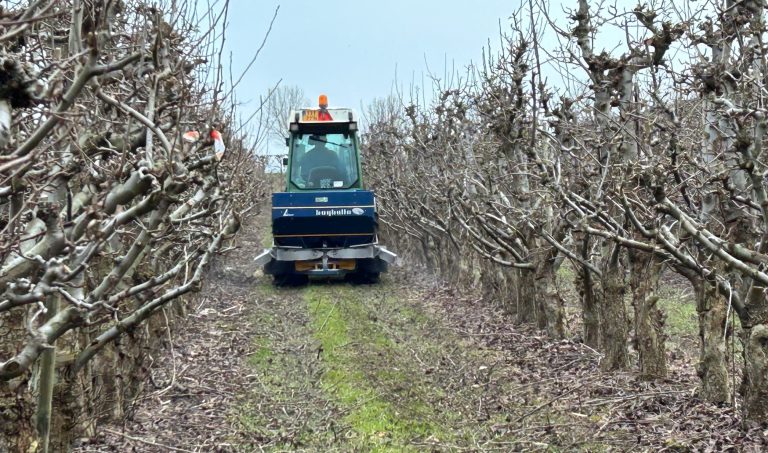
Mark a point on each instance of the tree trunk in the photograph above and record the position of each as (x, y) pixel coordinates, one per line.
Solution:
(17, 430)
(754, 386)
(756, 373)
(712, 367)
(426, 252)
(649, 321)
(549, 301)
(527, 310)
(538, 297)
(589, 307)
(613, 316)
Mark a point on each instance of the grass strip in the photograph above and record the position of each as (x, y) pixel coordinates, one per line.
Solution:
(349, 339)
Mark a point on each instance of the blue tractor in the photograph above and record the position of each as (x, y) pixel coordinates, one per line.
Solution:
(324, 225)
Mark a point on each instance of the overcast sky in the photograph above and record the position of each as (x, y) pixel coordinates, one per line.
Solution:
(353, 51)
(357, 51)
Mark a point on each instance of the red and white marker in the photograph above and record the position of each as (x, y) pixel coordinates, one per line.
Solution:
(218, 144)
(191, 136)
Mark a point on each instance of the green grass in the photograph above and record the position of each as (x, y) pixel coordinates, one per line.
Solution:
(368, 369)
(413, 315)
(682, 319)
(262, 355)
(263, 349)
(268, 412)
(345, 329)
(266, 239)
(566, 273)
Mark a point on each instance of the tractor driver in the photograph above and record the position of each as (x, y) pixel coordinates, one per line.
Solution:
(320, 166)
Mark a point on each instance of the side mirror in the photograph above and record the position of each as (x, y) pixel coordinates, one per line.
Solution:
(287, 141)
(285, 161)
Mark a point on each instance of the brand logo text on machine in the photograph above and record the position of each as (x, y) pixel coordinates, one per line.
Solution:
(341, 211)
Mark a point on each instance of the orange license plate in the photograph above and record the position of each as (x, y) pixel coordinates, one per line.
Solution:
(303, 266)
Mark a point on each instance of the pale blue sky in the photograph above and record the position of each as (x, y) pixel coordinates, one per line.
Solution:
(354, 50)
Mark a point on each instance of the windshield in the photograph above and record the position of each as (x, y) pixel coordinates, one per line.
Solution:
(324, 161)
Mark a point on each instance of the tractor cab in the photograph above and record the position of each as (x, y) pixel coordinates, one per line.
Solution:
(325, 223)
(323, 151)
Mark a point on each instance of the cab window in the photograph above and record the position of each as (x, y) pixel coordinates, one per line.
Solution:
(324, 161)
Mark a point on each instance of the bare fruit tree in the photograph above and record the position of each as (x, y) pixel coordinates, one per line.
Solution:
(645, 160)
(280, 102)
(113, 199)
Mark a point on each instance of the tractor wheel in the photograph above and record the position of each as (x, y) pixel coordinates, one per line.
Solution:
(290, 279)
(363, 278)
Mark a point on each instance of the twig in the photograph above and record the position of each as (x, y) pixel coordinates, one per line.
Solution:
(173, 354)
(144, 441)
(542, 406)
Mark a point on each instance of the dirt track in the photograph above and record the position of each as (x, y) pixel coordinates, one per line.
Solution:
(406, 365)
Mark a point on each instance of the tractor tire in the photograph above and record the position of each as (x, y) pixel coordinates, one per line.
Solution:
(287, 280)
(363, 278)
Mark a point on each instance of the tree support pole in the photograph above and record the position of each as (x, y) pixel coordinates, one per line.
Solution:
(46, 380)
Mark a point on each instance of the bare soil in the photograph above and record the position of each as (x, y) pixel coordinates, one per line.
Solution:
(410, 364)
